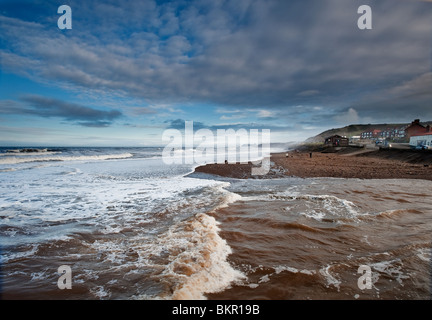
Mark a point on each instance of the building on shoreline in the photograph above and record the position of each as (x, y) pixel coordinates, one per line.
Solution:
(337, 141)
(397, 133)
(421, 141)
(371, 134)
(416, 129)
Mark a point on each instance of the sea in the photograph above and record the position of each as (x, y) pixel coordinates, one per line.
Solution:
(130, 226)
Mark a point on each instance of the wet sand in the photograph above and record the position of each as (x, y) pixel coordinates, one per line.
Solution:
(375, 164)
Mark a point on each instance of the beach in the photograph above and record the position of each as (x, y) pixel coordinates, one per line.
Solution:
(351, 163)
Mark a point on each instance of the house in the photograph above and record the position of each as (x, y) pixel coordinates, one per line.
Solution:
(400, 132)
(337, 141)
(393, 133)
(354, 138)
(388, 133)
(422, 140)
(370, 134)
(416, 128)
(364, 135)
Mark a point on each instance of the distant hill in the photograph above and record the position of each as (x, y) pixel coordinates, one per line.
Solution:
(356, 130)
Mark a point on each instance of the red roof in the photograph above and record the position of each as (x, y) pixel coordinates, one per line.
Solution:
(422, 134)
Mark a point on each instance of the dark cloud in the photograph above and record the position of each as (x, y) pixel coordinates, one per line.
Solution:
(95, 124)
(48, 107)
(179, 124)
(140, 111)
(237, 54)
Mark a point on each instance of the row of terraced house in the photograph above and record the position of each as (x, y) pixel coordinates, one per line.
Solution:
(398, 133)
(389, 133)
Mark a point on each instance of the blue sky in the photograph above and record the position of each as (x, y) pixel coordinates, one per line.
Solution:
(128, 70)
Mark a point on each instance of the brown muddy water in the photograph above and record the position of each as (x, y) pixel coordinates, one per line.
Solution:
(220, 238)
(307, 239)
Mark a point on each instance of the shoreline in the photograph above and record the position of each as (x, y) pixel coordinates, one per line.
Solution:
(344, 163)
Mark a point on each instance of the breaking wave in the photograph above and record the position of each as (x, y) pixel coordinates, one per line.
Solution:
(47, 157)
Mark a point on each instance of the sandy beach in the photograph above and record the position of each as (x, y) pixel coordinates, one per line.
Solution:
(348, 163)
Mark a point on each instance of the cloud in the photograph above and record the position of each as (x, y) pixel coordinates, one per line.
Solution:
(266, 114)
(308, 93)
(179, 124)
(44, 107)
(140, 111)
(349, 117)
(405, 101)
(289, 56)
(95, 124)
(199, 51)
(232, 117)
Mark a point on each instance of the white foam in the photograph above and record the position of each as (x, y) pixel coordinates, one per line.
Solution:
(198, 259)
(277, 270)
(282, 268)
(330, 279)
(228, 197)
(9, 256)
(41, 275)
(62, 192)
(425, 254)
(322, 206)
(27, 152)
(265, 278)
(392, 268)
(45, 157)
(100, 292)
(142, 196)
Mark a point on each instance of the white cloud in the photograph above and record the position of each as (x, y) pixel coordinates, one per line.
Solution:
(346, 118)
(232, 117)
(265, 114)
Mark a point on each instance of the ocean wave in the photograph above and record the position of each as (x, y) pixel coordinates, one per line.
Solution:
(46, 158)
(391, 268)
(259, 275)
(28, 154)
(425, 254)
(396, 212)
(27, 151)
(331, 279)
(154, 229)
(320, 207)
(197, 260)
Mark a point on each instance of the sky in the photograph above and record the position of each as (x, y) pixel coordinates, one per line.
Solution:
(128, 70)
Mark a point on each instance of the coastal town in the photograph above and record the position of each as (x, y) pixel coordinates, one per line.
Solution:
(416, 135)
(399, 152)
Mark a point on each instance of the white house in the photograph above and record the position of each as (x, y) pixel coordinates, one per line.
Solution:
(421, 140)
